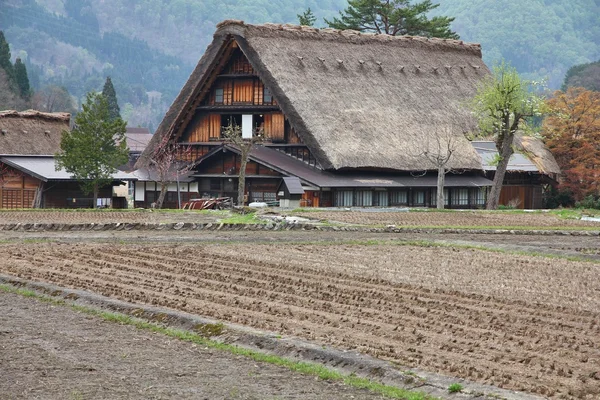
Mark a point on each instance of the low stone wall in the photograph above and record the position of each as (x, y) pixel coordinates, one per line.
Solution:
(188, 226)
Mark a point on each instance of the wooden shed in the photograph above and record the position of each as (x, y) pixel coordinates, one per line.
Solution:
(290, 192)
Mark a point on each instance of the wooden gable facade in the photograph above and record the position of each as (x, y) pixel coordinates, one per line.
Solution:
(236, 90)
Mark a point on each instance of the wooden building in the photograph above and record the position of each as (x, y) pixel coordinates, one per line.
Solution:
(347, 114)
(28, 176)
(531, 170)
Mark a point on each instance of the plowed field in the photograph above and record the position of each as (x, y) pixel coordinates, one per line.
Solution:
(519, 322)
(454, 219)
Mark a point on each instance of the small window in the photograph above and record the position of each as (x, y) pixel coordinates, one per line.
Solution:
(267, 96)
(215, 184)
(219, 96)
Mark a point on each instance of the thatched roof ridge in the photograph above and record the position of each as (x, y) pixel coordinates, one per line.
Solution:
(356, 100)
(238, 27)
(58, 116)
(31, 132)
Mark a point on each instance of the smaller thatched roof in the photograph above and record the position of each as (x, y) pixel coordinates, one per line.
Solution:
(537, 152)
(31, 132)
(531, 155)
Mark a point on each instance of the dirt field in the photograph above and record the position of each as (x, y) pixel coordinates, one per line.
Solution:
(73, 356)
(104, 217)
(462, 218)
(519, 322)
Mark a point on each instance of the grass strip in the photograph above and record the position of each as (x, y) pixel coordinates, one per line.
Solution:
(312, 369)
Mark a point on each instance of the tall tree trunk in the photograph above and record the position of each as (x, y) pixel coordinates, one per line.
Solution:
(161, 196)
(95, 205)
(441, 179)
(242, 176)
(505, 153)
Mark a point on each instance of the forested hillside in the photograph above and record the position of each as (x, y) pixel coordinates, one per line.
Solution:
(149, 47)
(541, 38)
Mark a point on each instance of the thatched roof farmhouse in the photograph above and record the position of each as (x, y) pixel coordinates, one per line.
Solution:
(349, 114)
(28, 176)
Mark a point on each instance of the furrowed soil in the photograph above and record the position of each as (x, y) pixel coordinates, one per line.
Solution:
(519, 322)
(454, 219)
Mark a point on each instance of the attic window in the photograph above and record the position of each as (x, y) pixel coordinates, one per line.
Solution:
(267, 96)
(219, 96)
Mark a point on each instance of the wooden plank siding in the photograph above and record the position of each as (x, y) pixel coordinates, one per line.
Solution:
(238, 91)
(274, 127)
(18, 190)
(204, 128)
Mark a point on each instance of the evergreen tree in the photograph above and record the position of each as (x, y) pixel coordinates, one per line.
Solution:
(307, 18)
(111, 97)
(5, 62)
(22, 80)
(393, 17)
(94, 149)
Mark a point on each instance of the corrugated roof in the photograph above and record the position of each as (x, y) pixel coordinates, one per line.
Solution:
(313, 176)
(293, 185)
(137, 141)
(489, 154)
(43, 167)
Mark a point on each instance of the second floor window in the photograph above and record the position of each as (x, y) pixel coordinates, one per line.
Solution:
(219, 96)
(267, 96)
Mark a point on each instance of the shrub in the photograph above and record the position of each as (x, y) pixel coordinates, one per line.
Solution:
(455, 388)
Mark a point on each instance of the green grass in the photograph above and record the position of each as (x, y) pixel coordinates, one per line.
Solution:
(306, 368)
(243, 219)
(455, 388)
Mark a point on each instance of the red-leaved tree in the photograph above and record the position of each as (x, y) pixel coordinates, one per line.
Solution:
(572, 132)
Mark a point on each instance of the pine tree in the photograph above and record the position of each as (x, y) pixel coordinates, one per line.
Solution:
(307, 18)
(5, 59)
(111, 96)
(22, 80)
(394, 17)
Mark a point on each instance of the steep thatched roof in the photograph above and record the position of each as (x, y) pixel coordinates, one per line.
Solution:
(31, 132)
(357, 100)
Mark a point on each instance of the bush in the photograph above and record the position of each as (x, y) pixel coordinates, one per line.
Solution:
(589, 202)
(558, 198)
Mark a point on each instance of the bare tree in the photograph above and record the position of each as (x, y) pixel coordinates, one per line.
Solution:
(439, 152)
(169, 160)
(53, 98)
(233, 134)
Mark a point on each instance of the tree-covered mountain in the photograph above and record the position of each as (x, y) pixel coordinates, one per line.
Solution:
(583, 75)
(149, 47)
(541, 38)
